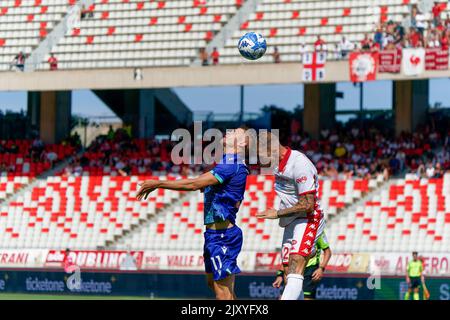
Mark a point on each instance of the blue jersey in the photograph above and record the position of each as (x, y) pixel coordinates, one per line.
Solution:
(222, 201)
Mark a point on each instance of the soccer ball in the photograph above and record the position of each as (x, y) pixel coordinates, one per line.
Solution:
(252, 46)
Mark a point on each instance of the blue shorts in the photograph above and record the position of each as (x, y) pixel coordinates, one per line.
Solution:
(221, 250)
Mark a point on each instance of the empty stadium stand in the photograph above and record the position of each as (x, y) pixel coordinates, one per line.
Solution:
(409, 215)
(136, 33)
(182, 227)
(24, 23)
(76, 212)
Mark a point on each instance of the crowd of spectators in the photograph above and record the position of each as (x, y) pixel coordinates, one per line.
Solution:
(414, 31)
(372, 152)
(345, 152)
(34, 151)
(116, 153)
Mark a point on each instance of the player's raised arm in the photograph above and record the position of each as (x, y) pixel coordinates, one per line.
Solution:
(206, 179)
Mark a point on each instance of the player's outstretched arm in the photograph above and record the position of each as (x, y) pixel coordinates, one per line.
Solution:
(304, 206)
(206, 179)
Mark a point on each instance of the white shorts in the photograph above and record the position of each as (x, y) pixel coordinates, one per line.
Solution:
(300, 237)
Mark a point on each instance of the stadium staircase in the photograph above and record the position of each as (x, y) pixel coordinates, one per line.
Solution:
(230, 28)
(59, 31)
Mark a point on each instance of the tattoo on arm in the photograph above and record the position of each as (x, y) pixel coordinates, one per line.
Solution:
(304, 206)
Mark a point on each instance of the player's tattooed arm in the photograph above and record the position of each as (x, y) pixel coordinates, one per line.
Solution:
(304, 206)
(206, 179)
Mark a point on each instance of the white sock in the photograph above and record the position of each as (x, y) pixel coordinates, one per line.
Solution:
(294, 287)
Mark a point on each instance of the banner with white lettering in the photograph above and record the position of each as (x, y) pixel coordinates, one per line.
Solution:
(22, 258)
(436, 59)
(396, 263)
(93, 259)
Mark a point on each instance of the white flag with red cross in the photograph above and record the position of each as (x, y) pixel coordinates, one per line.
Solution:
(314, 66)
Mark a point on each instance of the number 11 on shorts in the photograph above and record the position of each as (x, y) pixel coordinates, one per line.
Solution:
(213, 259)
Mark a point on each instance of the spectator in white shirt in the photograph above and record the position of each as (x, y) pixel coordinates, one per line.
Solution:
(345, 47)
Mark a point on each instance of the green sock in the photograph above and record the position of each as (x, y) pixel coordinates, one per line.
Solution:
(407, 296)
(416, 296)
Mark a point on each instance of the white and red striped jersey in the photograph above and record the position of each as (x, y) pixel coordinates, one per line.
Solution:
(296, 175)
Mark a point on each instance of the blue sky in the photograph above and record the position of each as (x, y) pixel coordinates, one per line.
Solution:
(377, 94)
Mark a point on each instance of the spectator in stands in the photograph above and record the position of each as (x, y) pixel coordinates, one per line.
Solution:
(436, 11)
(215, 57)
(414, 38)
(19, 61)
(53, 62)
(430, 171)
(319, 44)
(276, 55)
(447, 22)
(445, 39)
(83, 12)
(51, 157)
(302, 50)
(366, 43)
(203, 56)
(377, 38)
(345, 47)
(433, 40)
(86, 13)
(420, 22)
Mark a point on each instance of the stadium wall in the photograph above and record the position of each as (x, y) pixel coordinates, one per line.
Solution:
(193, 285)
(170, 77)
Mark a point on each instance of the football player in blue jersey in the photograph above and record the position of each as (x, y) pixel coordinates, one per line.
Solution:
(223, 188)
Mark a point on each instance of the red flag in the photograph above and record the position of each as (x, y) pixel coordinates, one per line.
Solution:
(363, 66)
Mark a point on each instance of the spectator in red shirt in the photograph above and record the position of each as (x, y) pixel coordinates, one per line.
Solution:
(414, 38)
(444, 41)
(53, 62)
(319, 45)
(437, 9)
(215, 57)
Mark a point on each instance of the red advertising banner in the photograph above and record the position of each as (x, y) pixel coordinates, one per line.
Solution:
(101, 259)
(436, 59)
(390, 61)
(363, 66)
(267, 261)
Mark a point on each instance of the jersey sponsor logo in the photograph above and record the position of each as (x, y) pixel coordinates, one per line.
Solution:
(224, 249)
(302, 179)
